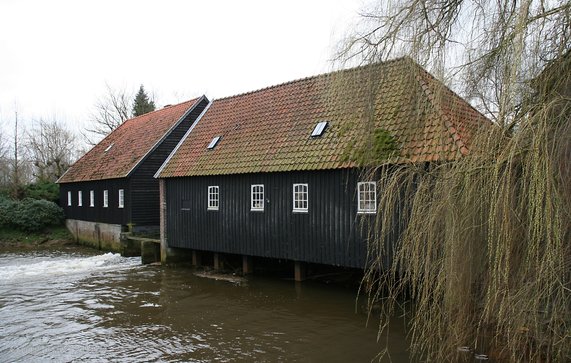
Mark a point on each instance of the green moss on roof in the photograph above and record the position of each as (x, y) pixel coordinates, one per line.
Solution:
(388, 112)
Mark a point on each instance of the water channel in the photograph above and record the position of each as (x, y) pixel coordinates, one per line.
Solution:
(79, 306)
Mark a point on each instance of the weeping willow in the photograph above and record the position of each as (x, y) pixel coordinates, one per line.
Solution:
(483, 247)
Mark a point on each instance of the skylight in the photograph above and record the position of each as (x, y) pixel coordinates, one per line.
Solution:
(319, 128)
(109, 147)
(213, 143)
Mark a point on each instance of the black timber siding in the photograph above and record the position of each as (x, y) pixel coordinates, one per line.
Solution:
(112, 214)
(141, 188)
(144, 188)
(328, 234)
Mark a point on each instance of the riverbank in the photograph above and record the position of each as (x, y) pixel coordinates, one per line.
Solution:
(52, 237)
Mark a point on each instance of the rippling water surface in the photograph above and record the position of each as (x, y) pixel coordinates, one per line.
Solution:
(74, 306)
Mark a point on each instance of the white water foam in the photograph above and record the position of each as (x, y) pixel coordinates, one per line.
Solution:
(69, 266)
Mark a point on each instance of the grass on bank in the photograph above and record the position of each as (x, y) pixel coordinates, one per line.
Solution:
(55, 233)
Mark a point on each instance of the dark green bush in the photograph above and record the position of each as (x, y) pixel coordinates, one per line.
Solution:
(30, 215)
(43, 190)
(7, 207)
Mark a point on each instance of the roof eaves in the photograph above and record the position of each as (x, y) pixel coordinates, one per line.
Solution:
(157, 174)
(166, 134)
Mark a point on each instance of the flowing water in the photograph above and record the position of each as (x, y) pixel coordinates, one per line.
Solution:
(73, 306)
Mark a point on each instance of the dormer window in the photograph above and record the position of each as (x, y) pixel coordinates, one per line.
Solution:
(213, 143)
(319, 128)
(109, 147)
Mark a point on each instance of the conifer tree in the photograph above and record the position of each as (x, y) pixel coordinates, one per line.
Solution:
(142, 104)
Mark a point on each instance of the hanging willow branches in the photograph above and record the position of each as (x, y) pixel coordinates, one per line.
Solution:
(483, 252)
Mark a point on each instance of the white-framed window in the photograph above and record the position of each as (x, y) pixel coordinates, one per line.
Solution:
(121, 198)
(213, 197)
(69, 198)
(80, 198)
(367, 197)
(92, 198)
(300, 197)
(105, 198)
(257, 199)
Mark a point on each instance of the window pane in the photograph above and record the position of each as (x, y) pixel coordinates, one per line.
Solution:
(300, 197)
(257, 197)
(367, 197)
(121, 198)
(213, 197)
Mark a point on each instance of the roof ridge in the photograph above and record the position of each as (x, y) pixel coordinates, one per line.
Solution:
(161, 109)
(321, 75)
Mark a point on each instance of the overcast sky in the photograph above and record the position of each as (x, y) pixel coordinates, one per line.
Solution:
(58, 55)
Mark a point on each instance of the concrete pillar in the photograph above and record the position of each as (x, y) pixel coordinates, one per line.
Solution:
(150, 252)
(300, 271)
(196, 258)
(163, 220)
(247, 265)
(218, 264)
(169, 254)
(129, 247)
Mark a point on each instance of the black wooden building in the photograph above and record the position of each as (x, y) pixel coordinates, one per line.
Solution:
(112, 185)
(278, 172)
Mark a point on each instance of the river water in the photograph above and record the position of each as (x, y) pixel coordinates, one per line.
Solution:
(75, 306)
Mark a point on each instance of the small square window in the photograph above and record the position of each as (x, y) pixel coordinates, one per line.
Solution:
(257, 201)
(213, 143)
(92, 198)
(319, 128)
(105, 198)
(69, 199)
(367, 197)
(213, 197)
(80, 198)
(300, 198)
(121, 198)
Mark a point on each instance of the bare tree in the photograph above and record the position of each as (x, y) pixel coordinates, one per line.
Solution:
(111, 110)
(4, 162)
(483, 250)
(51, 147)
(490, 49)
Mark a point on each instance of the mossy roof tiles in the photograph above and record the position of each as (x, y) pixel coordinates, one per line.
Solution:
(269, 130)
(127, 146)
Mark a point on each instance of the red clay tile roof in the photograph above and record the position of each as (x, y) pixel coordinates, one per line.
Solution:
(269, 130)
(124, 148)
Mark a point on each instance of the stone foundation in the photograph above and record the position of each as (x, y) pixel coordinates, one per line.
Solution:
(102, 236)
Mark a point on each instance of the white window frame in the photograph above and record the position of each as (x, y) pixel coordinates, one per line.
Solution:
(121, 198)
(300, 198)
(257, 196)
(213, 197)
(366, 197)
(69, 198)
(92, 198)
(106, 198)
(80, 198)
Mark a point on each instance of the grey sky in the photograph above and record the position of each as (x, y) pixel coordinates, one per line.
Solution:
(57, 56)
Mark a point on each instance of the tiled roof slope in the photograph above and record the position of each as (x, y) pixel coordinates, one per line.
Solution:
(124, 148)
(269, 130)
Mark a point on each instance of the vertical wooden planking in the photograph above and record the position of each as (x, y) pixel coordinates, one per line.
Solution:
(326, 234)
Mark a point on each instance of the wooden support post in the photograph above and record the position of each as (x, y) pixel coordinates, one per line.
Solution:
(218, 264)
(196, 258)
(299, 271)
(247, 265)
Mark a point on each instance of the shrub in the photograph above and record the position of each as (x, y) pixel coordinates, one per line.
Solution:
(31, 215)
(7, 207)
(43, 190)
